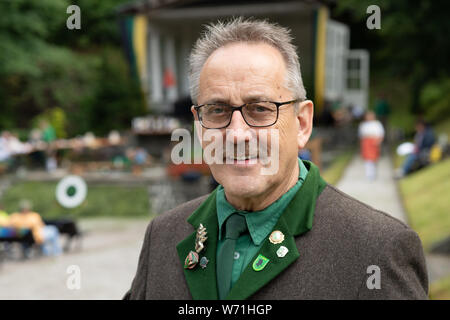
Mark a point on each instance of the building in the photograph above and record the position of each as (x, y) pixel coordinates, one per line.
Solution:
(159, 34)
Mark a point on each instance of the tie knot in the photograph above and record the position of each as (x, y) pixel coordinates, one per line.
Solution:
(236, 225)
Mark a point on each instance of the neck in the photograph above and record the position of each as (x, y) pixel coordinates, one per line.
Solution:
(269, 196)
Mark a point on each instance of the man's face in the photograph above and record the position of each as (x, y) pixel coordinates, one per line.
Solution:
(240, 73)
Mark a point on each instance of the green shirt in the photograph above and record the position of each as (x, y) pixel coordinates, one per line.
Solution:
(49, 134)
(260, 224)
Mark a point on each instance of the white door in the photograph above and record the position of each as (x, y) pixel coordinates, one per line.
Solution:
(337, 46)
(357, 82)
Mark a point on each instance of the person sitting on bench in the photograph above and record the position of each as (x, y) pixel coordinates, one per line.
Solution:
(423, 141)
(47, 236)
(4, 217)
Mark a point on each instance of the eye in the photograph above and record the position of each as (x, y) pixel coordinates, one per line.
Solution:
(259, 108)
(216, 109)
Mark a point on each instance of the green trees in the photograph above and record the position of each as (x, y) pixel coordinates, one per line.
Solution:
(412, 44)
(44, 65)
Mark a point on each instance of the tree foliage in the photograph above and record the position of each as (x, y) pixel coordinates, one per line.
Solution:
(44, 65)
(412, 42)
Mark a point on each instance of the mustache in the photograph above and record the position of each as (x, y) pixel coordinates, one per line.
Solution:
(245, 149)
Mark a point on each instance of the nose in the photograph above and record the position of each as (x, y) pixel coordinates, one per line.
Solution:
(237, 130)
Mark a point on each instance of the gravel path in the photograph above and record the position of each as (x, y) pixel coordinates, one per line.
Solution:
(106, 262)
(382, 193)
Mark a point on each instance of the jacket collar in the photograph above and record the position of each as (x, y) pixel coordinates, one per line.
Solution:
(202, 282)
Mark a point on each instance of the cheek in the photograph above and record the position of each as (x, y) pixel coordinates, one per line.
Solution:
(287, 137)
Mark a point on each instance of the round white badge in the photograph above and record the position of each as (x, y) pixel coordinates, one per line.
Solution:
(276, 237)
(71, 191)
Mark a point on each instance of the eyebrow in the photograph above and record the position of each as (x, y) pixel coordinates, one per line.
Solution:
(255, 98)
(247, 99)
(216, 100)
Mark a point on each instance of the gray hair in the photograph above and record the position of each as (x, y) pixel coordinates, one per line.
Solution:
(220, 34)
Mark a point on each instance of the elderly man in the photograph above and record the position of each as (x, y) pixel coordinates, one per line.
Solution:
(274, 234)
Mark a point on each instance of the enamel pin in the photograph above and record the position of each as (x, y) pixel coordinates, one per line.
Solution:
(282, 251)
(276, 237)
(193, 258)
(203, 262)
(200, 238)
(260, 263)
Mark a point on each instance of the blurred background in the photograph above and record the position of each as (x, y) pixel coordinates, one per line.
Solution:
(87, 113)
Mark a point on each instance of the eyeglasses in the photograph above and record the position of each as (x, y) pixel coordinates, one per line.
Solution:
(255, 114)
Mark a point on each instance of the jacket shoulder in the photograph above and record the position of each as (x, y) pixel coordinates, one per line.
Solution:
(354, 215)
(357, 236)
(175, 219)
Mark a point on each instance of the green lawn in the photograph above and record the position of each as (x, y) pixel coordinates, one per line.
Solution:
(440, 290)
(101, 200)
(443, 128)
(425, 195)
(334, 172)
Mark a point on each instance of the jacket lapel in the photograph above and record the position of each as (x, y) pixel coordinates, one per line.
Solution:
(202, 282)
(296, 220)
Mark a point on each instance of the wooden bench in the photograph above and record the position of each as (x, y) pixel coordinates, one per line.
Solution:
(24, 237)
(10, 235)
(67, 227)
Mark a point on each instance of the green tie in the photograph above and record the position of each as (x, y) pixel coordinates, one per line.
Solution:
(234, 227)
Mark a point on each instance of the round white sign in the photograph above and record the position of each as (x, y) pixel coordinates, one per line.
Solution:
(71, 191)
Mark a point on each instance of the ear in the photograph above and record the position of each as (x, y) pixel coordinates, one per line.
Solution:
(305, 122)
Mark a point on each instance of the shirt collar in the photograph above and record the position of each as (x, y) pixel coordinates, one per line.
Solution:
(260, 223)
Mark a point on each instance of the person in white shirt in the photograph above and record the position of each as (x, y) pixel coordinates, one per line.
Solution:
(371, 134)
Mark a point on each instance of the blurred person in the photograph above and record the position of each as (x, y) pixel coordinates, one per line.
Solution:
(4, 217)
(45, 235)
(424, 140)
(305, 154)
(48, 135)
(283, 234)
(5, 152)
(4, 223)
(13, 144)
(140, 159)
(10, 145)
(371, 134)
(382, 109)
(357, 112)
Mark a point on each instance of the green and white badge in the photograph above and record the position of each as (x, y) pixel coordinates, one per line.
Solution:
(260, 263)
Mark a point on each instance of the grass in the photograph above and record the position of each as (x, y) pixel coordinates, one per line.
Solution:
(440, 290)
(443, 128)
(101, 200)
(425, 195)
(334, 172)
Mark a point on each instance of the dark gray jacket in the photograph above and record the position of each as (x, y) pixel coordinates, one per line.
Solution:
(334, 259)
